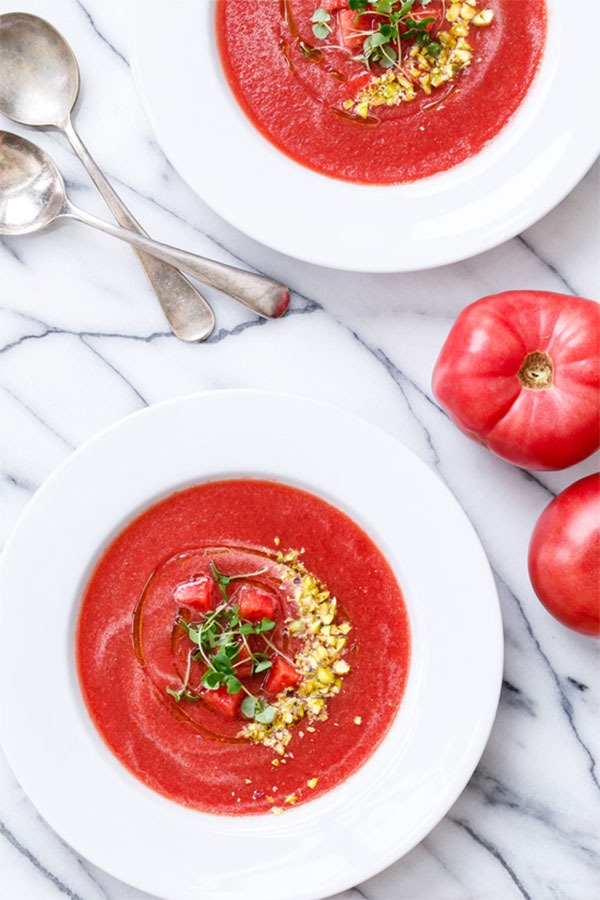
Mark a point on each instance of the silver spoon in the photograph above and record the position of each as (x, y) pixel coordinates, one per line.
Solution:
(39, 84)
(33, 196)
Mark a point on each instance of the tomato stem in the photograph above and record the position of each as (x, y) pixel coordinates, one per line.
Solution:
(537, 371)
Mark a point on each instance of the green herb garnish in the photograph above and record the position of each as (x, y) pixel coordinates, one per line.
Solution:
(321, 27)
(220, 637)
(258, 709)
(382, 44)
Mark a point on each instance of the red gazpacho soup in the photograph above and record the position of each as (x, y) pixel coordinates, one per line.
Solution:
(380, 91)
(242, 647)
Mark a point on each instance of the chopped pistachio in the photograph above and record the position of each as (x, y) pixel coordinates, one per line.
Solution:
(320, 651)
(341, 667)
(453, 13)
(483, 18)
(325, 676)
(424, 68)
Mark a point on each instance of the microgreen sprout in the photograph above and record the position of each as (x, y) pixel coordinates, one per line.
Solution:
(258, 709)
(391, 22)
(320, 23)
(219, 638)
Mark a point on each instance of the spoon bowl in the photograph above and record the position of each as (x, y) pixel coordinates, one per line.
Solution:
(39, 85)
(32, 191)
(33, 195)
(32, 94)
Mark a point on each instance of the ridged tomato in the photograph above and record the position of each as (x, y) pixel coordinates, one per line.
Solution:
(564, 556)
(520, 373)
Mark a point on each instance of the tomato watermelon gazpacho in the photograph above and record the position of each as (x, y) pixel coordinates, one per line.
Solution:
(242, 647)
(380, 91)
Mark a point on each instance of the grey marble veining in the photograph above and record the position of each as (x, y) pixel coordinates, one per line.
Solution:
(83, 343)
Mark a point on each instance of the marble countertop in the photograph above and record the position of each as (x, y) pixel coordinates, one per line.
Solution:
(83, 343)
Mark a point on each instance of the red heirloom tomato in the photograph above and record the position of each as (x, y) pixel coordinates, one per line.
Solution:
(564, 556)
(520, 373)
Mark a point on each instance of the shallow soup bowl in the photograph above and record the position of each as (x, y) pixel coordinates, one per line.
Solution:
(522, 173)
(412, 778)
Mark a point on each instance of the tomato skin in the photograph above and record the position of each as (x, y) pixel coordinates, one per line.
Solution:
(478, 377)
(564, 556)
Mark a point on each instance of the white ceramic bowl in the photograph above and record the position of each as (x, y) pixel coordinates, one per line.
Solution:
(536, 160)
(412, 779)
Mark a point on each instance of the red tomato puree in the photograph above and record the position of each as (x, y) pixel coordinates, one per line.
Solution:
(131, 644)
(297, 89)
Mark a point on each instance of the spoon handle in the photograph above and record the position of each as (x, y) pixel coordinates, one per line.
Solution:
(262, 295)
(187, 312)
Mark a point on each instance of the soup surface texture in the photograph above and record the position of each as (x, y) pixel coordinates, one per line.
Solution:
(397, 109)
(242, 647)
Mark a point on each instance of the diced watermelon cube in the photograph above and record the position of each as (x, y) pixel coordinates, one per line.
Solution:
(282, 675)
(357, 82)
(222, 702)
(254, 603)
(244, 663)
(349, 29)
(334, 5)
(197, 594)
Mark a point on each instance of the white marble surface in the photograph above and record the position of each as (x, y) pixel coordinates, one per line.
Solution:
(83, 343)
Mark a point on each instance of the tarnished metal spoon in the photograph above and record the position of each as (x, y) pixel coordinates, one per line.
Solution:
(33, 196)
(39, 84)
